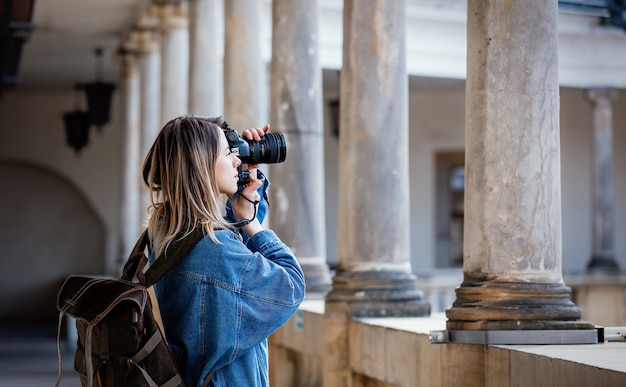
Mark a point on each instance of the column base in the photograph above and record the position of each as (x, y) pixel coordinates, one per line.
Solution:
(516, 337)
(501, 305)
(518, 325)
(317, 278)
(378, 294)
(603, 264)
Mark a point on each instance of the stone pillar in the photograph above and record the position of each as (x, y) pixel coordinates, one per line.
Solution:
(244, 67)
(205, 58)
(150, 73)
(603, 255)
(374, 277)
(174, 27)
(374, 273)
(512, 240)
(130, 197)
(296, 111)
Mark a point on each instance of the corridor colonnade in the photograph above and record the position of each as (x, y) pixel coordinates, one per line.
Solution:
(172, 65)
(512, 260)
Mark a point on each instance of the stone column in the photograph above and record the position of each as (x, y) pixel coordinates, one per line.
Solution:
(374, 277)
(205, 58)
(374, 273)
(244, 81)
(150, 73)
(512, 240)
(174, 28)
(296, 111)
(603, 255)
(130, 198)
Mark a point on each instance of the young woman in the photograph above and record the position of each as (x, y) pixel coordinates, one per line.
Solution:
(240, 283)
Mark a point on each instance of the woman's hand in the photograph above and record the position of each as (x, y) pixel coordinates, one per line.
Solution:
(244, 207)
(254, 134)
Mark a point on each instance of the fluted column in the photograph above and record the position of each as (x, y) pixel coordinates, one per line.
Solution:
(296, 111)
(512, 239)
(131, 183)
(174, 28)
(244, 83)
(603, 255)
(205, 68)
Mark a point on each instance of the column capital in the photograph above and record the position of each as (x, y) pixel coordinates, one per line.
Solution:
(128, 49)
(127, 54)
(146, 38)
(171, 14)
(601, 95)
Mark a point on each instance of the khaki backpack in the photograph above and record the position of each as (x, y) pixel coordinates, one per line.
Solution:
(120, 342)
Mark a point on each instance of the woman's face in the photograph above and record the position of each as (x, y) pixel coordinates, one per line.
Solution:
(226, 168)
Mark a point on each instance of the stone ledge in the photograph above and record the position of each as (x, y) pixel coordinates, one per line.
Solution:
(609, 356)
(397, 352)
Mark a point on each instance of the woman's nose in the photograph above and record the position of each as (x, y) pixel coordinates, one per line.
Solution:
(236, 161)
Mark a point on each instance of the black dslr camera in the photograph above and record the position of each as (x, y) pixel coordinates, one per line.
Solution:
(271, 149)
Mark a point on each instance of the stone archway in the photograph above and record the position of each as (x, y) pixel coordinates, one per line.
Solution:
(48, 231)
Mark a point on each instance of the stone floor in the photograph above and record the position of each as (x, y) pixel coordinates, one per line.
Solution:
(29, 359)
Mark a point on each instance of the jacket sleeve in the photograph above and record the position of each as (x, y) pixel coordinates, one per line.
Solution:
(272, 287)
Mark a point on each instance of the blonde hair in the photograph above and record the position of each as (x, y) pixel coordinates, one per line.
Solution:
(179, 171)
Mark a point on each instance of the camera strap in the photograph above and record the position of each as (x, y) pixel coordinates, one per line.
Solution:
(244, 222)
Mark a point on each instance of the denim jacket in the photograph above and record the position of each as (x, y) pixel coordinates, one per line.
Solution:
(222, 301)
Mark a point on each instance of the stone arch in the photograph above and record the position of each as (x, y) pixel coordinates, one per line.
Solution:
(49, 230)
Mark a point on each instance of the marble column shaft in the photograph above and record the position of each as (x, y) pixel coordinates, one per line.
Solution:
(373, 277)
(150, 73)
(174, 28)
(374, 274)
(296, 110)
(131, 184)
(205, 68)
(512, 237)
(603, 255)
(244, 83)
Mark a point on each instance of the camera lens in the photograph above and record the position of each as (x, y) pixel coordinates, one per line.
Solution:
(271, 149)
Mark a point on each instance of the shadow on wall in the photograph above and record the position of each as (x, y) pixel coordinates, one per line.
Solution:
(48, 231)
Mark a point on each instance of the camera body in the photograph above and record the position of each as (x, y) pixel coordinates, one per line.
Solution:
(271, 149)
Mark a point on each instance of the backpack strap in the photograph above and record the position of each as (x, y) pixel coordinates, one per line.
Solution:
(178, 249)
(136, 260)
(208, 378)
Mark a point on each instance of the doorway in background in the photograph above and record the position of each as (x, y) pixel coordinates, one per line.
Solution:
(450, 192)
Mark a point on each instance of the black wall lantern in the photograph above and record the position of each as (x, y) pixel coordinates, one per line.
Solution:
(77, 126)
(99, 102)
(15, 29)
(99, 95)
(77, 123)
